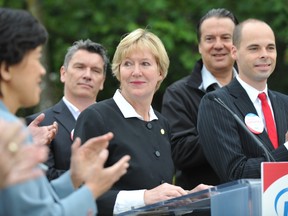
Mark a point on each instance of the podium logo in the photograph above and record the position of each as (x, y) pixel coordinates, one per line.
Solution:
(275, 198)
(279, 200)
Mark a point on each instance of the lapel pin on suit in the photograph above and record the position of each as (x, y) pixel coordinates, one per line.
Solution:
(254, 123)
(72, 135)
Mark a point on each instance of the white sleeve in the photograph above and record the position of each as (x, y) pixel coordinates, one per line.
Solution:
(127, 200)
(286, 145)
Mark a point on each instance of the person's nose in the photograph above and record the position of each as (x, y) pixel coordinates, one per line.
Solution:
(42, 70)
(136, 70)
(263, 53)
(87, 74)
(218, 44)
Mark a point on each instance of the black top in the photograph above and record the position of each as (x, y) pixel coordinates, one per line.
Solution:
(147, 143)
(228, 147)
(180, 106)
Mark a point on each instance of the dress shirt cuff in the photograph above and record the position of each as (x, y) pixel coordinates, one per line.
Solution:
(286, 145)
(127, 200)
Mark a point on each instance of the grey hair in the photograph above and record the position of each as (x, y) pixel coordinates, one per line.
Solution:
(91, 47)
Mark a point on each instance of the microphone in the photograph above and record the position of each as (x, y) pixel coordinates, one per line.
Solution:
(240, 122)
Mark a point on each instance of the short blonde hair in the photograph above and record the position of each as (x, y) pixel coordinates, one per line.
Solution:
(140, 39)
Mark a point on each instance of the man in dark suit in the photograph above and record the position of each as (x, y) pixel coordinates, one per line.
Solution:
(181, 99)
(83, 74)
(229, 148)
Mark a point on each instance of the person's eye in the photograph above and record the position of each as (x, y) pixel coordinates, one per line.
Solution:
(271, 48)
(227, 38)
(146, 63)
(253, 48)
(96, 71)
(79, 66)
(127, 63)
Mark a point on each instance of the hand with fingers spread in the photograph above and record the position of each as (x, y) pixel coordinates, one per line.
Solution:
(87, 165)
(42, 135)
(101, 179)
(18, 161)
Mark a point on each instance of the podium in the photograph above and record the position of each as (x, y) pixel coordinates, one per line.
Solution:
(241, 197)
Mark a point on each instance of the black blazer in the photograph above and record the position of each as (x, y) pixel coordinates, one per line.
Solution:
(180, 106)
(229, 149)
(60, 147)
(148, 144)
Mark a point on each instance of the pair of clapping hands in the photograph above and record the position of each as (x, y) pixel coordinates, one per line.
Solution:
(18, 162)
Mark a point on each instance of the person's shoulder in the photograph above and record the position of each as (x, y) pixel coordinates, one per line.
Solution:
(181, 83)
(160, 116)
(102, 109)
(8, 116)
(48, 111)
(101, 106)
(218, 93)
(102, 103)
(279, 95)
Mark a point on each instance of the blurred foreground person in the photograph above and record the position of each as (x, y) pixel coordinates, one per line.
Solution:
(21, 72)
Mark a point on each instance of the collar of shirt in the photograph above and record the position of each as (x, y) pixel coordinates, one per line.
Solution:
(253, 95)
(208, 78)
(251, 91)
(127, 110)
(73, 109)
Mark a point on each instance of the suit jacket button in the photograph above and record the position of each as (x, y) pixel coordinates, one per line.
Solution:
(157, 153)
(149, 126)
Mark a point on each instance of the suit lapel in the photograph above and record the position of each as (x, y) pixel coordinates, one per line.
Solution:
(280, 118)
(64, 116)
(244, 106)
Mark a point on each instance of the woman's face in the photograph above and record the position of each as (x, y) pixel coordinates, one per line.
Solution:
(23, 81)
(139, 75)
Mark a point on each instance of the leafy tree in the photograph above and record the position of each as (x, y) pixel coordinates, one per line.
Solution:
(174, 21)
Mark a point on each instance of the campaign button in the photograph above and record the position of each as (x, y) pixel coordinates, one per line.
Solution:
(254, 123)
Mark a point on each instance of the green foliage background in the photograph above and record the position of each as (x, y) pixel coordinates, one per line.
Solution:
(174, 21)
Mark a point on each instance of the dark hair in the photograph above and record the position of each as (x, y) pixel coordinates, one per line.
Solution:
(219, 13)
(20, 32)
(89, 46)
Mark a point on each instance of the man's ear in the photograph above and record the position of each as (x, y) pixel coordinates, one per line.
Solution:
(199, 49)
(62, 74)
(102, 84)
(4, 72)
(234, 52)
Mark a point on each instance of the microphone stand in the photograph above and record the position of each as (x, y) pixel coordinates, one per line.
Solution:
(240, 122)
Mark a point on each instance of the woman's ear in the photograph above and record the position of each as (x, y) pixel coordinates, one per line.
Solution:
(4, 72)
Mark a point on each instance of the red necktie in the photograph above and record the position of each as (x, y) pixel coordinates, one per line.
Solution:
(270, 124)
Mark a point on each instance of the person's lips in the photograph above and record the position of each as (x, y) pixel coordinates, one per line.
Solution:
(263, 66)
(137, 82)
(86, 85)
(219, 56)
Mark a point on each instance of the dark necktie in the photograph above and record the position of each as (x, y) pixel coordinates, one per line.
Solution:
(270, 124)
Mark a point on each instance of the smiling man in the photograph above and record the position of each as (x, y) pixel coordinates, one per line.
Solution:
(83, 74)
(230, 150)
(181, 99)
